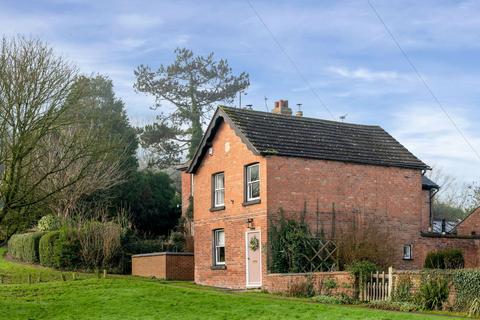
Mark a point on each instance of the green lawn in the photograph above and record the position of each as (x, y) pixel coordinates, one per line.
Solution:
(124, 297)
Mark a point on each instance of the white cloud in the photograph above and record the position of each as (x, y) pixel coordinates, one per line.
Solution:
(363, 74)
(428, 134)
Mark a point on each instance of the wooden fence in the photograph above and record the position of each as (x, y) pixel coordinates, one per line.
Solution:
(376, 286)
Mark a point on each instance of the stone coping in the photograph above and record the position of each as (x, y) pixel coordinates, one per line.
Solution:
(163, 254)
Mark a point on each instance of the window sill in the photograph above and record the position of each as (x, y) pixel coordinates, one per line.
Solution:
(219, 267)
(407, 259)
(249, 203)
(217, 208)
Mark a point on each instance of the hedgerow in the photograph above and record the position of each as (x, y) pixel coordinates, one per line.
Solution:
(25, 246)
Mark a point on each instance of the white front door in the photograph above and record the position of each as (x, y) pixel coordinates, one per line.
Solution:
(254, 259)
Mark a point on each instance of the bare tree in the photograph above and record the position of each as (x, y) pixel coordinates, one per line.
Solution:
(34, 86)
(93, 169)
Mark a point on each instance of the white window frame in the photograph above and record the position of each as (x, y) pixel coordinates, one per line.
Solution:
(251, 182)
(407, 255)
(216, 247)
(217, 189)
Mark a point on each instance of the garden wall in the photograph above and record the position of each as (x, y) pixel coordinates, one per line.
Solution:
(284, 282)
(164, 265)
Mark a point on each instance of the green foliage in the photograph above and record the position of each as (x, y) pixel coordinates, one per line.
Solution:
(394, 306)
(291, 246)
(403, 289)
(47, 248)
(48, 223)
(361, 269)
(445, 259)
(67, 250)
(467, 288)
(337, 299)
(474, 308)
(152, 201)
(433, 292)
(25, 246)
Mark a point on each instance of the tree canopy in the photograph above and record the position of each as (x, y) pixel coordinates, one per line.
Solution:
(186, 92)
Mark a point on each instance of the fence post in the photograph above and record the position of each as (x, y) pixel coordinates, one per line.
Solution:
(390, 282)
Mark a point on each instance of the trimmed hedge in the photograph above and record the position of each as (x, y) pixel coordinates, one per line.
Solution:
(445, 259)
(47, 248)
(67, 250)
(25, 246)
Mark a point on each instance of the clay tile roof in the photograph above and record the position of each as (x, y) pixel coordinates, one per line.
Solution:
(286, 135)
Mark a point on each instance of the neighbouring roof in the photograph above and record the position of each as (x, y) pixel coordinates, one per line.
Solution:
(429, 184)
(268, 133)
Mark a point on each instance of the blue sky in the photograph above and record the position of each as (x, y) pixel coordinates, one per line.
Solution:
(339, 46)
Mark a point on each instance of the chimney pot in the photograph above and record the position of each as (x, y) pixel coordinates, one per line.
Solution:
(281, 107)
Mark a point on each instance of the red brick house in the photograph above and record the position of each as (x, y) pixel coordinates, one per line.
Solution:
(250, 164)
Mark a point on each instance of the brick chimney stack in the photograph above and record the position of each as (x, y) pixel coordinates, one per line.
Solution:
(281, 107)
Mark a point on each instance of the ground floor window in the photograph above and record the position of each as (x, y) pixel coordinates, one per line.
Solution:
(407, 252)
(219, 247)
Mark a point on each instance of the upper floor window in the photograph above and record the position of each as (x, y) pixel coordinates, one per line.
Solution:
(219, 190)
(253, 182)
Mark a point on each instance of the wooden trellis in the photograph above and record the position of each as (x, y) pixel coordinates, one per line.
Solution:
(323, 256)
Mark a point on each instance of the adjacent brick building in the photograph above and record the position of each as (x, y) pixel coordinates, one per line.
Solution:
(252, 164)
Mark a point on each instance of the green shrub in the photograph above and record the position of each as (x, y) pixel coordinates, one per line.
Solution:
(445, 259)
(25, 246)
(48, 223)
(67, 250)
(361, 269)
(433, 292)
(467, 288)
(47, 248)
(474, 308)
(394, 306)
(403, 290)
(292, 245)
(327, 299)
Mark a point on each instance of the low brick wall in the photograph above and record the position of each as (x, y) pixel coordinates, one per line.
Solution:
(164, 265)
(283, 282)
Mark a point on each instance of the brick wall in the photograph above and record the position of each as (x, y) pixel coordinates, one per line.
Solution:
(229, 155)
(164, 265)
(469, 247)
(471, 224)
(392, 198)
(281, 282)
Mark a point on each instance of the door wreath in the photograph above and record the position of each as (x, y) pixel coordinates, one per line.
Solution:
(254, 243)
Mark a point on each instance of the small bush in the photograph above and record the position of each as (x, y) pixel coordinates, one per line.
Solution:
(302, 289)
(48, 223)
(474, 308)
(361, 269)
(67, 250)
(25, 246)
(433, 292)
(327, 299)
(445, 259)
(394, 306)
(100, 243)
(46, 248)
(403, 290)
